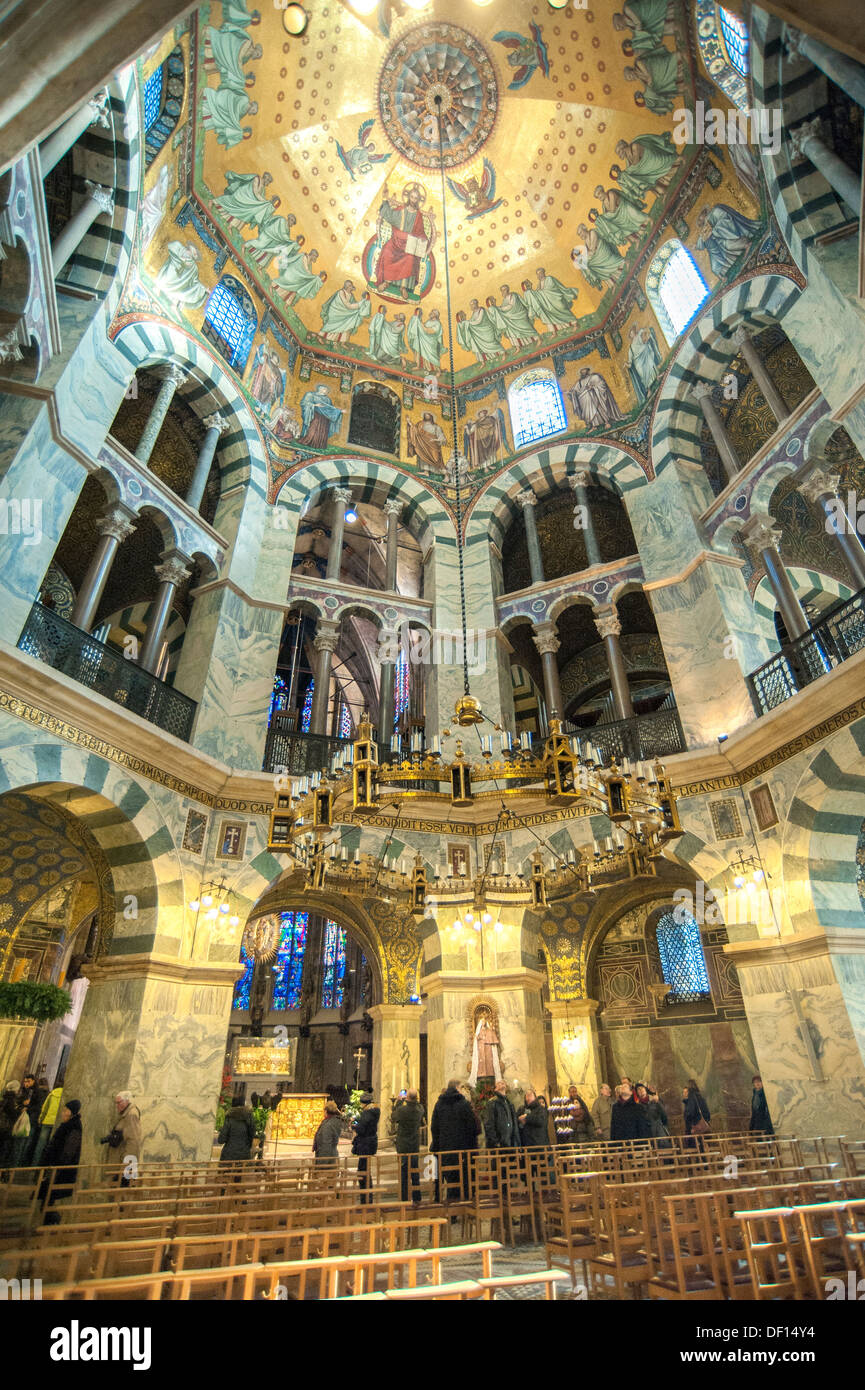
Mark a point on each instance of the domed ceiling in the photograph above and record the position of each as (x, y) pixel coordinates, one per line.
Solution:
(307, 172)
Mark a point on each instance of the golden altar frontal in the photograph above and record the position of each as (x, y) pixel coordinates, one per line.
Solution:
(297, 1117)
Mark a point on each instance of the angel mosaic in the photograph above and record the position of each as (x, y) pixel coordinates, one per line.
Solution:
(526, 54)
(362, 157)
(477, 198)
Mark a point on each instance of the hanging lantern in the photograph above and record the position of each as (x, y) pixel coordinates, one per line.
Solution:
(671, 829)
(365, 767)
(539, 882)
(618, 797)
(281, 822)
(561, 766)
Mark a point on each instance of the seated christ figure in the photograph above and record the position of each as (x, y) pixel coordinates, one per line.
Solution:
(405, 235)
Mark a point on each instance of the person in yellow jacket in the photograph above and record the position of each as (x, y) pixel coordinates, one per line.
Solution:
(47, 1120)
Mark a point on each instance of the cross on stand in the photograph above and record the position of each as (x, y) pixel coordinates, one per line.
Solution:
(358, 1057)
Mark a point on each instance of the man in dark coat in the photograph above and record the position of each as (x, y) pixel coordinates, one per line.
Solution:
(365, 1143)
(454, 1128)
(64, 1147)
(533, 1120)
(501, 1125)
(629, 1120)
(33, 1098)
(407, 1120)
(761, 1120)
(237, 1134)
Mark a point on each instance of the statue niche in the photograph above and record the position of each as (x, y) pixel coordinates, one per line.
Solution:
(485, 1042)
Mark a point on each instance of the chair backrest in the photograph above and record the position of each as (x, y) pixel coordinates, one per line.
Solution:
(775, 1253)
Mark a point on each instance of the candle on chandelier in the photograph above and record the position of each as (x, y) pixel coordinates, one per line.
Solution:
(357, 856)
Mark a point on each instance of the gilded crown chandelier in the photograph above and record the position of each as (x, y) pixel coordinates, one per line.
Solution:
(518, 779)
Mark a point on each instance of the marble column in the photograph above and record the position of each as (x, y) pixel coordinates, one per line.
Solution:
(341, 499)
(393, 512)
(528, 502)
(96, 111)
(172, 377)
(395, 1054)
(773, 397)
(142, 1013)
(546, 640)
(99, 200)
(215, 425)
(702, 393)
(807, 140)
(821, 488)
(609, 629)
(575, 1021)
(762, 533)
(325, 640)
(845, 72)
(114, 527)
(580, 482)
(175, 568)
(388, 647)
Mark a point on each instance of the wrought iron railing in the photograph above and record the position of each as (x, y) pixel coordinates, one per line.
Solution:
(67, 648)
(297, 754)
(655, 735)
(838, 635)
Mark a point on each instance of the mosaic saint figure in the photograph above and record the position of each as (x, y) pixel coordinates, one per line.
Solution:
(227, 51)
(593, 400)
(649, 20)
(484, 439)
(243, 202)
(513, 320)
(386, 338)
(647, 164)
(267, 381)
(223, 111)
(550, 301)
(426, 440)
(659, 73)
(619, 215)
(274, 236)
(296, 278)
(478, 334)
(178, 278)
(361, 158)
(425, 339)
(644, 359)
(342, 314)
(319, 417)
(602, 264)
(723, 233)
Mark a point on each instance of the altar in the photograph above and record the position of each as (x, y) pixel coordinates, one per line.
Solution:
(297, 1117)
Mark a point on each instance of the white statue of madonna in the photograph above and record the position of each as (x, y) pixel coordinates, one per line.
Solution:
(485, 1052)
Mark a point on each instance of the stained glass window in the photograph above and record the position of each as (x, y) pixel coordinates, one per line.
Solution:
(400, 688)
(279, 697)
(345, 721)
(536, 406)
(153, 96)
(676, 289)
(682, 961)
(306, 711)
(333, 981)
(230, 321)
(735, 32)
(244, 984)
(288, 966)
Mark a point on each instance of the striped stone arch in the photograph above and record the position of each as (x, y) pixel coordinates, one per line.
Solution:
(135, 618)
(804, 204)
(372, 482)
(705, 860)
(705, 353)
(117, 810)
(809, 585)
(821, 834)
(111, 156)
(242, 454)
(495, 507)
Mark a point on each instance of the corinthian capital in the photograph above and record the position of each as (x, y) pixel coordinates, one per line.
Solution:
(216, 421)
(118, 522)
(527, 498)
(702, 390)
(343, 495)
(607, 623)
(819, 484)
(545, 639)
(102, 197)
(100, 113)
(582, 478)
(793, 40)
(803, 134)
(173, 373)
(762, 532)
(326, 635)
(174, 569)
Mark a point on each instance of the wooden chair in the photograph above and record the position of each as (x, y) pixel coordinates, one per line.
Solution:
(775, 1254)
(626, 1260)
(571, 1231)
(486, 1200)
(687, 1236)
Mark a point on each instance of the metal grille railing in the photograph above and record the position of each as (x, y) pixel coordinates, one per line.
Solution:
(838, 635)
(67, 648)
(655, 735)
(294, 753)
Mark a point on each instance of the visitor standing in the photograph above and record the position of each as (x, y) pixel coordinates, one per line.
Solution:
(63, 1151)
(761, 1120)
(47, 1119)
(237, 1134)
(501, 1125)
(124, 1140)
(408, 1117)
(629, 1119)
(602, 1111)
(454, 1130)
(365, 1144)
(533, 1121)
(12, 1132)
(696, 1111)
(325, 1144)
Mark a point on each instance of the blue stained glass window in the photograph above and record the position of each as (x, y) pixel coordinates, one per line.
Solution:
(153, 96)
(735, 32)
(401, 691)
(288, 966)
(676, 289)
(307, 707)
(278, 698)
(536, 406)
(345, 721)
(333, 982)
(682, 960)
(244, 984)
(230, 321)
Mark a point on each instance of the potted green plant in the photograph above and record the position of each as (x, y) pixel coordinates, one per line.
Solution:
(31, 1002)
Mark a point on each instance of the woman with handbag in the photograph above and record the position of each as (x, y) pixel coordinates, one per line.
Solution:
(14, 1126)
(697, 1114)
(657, 1118)
(124, 1140)
(64, 1147)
